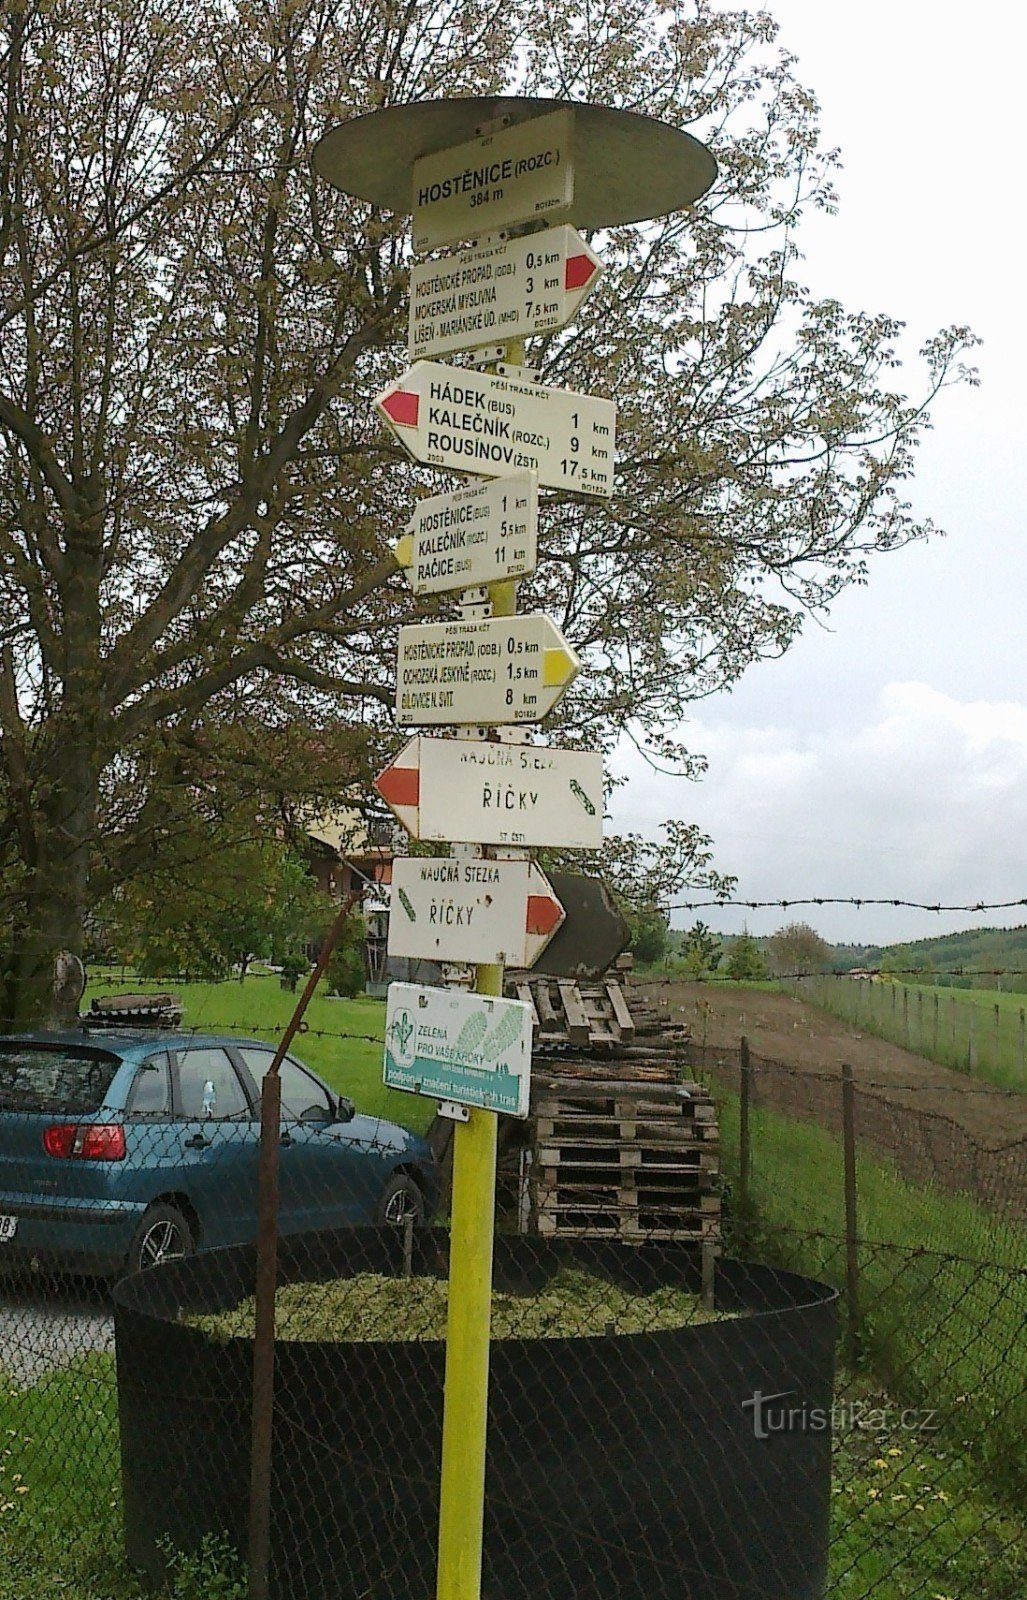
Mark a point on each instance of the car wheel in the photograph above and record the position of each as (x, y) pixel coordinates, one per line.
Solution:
(401, 1198)
(163, 1235)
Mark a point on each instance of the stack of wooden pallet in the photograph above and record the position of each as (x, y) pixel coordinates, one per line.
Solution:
(629, 1159)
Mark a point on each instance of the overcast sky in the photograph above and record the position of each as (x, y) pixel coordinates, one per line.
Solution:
(886, 755)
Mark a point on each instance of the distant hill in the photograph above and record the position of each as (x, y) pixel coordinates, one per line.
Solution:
(981, 949)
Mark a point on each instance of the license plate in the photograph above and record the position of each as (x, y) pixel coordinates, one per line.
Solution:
(8, 1228)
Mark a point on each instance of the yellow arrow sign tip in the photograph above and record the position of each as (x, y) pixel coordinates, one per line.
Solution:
(559, 666)
(403, 550)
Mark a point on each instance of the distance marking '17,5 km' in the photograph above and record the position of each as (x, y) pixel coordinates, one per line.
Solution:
(482, 534)
(510, 176)
(512, 290)
(481, 422)
(502, 912)
(498, 670)
(478, 791)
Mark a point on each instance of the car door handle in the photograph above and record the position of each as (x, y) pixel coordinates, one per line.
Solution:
(197, 1142)
(285, 1139)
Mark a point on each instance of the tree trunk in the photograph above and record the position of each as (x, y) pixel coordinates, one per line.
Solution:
(41, 991)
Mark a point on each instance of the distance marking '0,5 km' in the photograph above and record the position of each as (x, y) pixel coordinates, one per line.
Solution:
(499, 670)
(512, 290)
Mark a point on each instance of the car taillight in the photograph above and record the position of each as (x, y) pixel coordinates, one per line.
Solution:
(85, 1141)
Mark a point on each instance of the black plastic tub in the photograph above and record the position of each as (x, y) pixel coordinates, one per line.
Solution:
(689, 1464)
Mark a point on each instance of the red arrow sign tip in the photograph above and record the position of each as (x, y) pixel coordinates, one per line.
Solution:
(401, 406)
(577, 271)
(399, 786)
(544, 914)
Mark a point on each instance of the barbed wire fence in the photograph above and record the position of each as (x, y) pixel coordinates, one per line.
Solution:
(872, 1186)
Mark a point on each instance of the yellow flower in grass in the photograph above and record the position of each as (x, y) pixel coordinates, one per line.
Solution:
(894, 1451)
(880, 1463)
(873, 1494)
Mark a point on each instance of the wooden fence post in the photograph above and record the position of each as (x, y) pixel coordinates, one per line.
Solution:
(852, 1341)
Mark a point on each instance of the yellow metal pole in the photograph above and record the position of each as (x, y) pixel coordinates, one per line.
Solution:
(462, 1502)
(465, 1416)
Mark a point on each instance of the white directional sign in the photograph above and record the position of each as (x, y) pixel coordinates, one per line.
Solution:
(481, 422)
(506, 177)
(481, 534)
(481, 792)
(462, 910)
(512, 290)
(468, 1048)
(502, 669)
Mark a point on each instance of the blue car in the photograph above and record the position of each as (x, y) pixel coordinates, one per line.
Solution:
(121, 1150)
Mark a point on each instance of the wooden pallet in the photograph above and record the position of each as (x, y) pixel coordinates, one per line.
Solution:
(624, 1159)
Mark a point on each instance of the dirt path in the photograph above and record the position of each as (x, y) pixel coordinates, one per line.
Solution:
(809, 1041)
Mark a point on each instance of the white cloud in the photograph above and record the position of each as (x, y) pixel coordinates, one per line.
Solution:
(926, 801)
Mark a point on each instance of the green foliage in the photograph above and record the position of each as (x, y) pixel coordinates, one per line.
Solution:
(214, 1572)
(206, 913)
(980, 958)
(649, 940)
(346, 972)
(745, 960)
(701, 952)
(798, 948)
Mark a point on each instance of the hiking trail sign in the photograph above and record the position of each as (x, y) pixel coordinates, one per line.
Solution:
(471, 1049)
(481, 422)
(516, 174)
(498, 670)
(512, 290)
(470, 909)
(485, 533)
(482, 792)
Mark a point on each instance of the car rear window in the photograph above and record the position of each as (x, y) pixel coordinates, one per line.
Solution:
(54, 1079)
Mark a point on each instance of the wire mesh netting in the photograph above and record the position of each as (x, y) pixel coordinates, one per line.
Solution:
(710, 1375)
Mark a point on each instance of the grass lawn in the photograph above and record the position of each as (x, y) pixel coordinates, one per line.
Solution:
(943, 1283)
(955, 1027)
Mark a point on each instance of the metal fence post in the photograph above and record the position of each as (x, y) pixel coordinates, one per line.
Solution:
(852, 1341)
(744, 1143)
(258, 1547)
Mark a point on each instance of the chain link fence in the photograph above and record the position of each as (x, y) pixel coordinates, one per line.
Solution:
(769, 1348)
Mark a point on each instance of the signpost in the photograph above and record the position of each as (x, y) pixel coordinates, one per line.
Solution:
(512, 290)
(470, 168)
(512, 175)
(485, 533)
(481, 422)
(484, 792)
(463, 1048)
(499, 670)
(496, 912)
